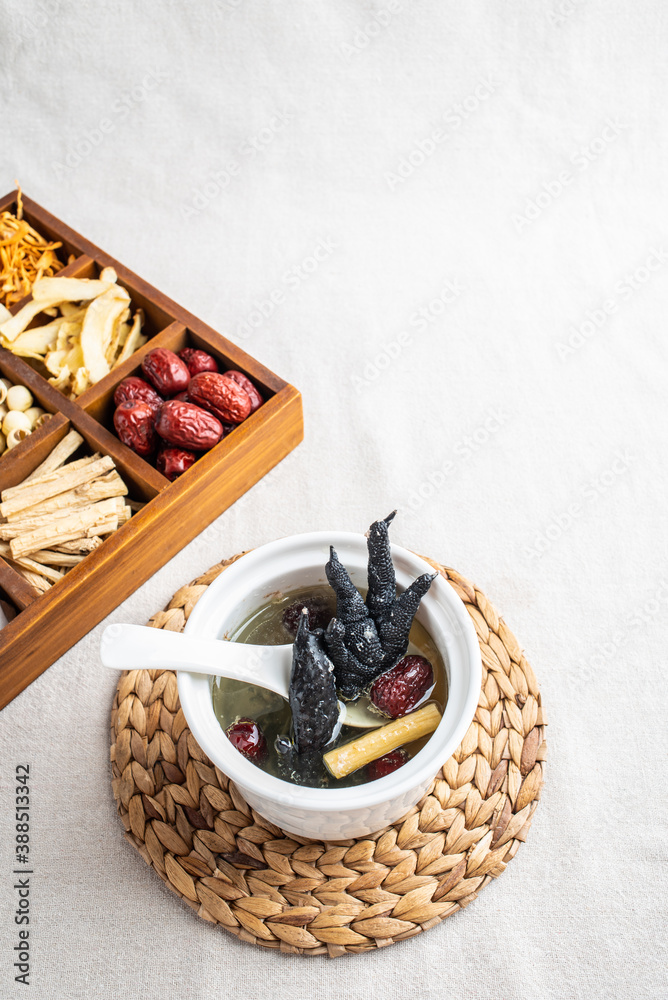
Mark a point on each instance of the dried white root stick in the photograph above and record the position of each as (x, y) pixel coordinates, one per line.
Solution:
(23, 525)
(104, 527)
(46, 571)
(349, 757)
(48, 477)
(103, 488)
(50, 521)
(62, 480)
(52, 558)
(12, 529)
(36, 580)
(62, 529)
(58, 456)
(82, 544)
(111, 523)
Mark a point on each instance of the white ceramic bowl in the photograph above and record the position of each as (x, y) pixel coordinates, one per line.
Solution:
(299, 561)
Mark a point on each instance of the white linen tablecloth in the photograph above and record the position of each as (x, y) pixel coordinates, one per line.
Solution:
(446, 224)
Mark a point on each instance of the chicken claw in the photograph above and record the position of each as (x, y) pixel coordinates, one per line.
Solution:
(367, 638)
(312, 692)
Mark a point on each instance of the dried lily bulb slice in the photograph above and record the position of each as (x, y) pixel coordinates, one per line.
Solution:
(51, 292)
(98, 328)
(70, 289)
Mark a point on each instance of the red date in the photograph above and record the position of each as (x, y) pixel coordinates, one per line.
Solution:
(245, 383)
(173, 462)
(187, 426)
(133, 421)
(136, 388)
(166, 371)
(198, 361)
(221, 395)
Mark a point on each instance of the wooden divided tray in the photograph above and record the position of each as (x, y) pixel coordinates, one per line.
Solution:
(172, 513)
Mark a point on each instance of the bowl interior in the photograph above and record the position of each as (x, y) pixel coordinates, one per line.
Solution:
(299, 561)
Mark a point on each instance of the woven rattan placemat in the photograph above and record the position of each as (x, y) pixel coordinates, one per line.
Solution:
(234, 868)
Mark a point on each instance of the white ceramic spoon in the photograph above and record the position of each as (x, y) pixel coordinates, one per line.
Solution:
(138, 647)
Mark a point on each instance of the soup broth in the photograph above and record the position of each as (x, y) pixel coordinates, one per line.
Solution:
(233, 700)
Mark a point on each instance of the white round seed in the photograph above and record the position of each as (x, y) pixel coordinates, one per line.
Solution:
(33, 414)
(13, 420)
(19, 398)
(15, 436)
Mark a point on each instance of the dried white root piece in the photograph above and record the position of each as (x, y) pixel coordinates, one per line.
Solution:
(36, 580)
(103, 488)
(48, 477)
(79, 545)
(58, 456)
(11, 529)
(49, 486)
(349, 757)
(21, 525)
(52, 558)
(106, 527)
(111, 523)
(63, 529)
(50, 521)
(46, 571)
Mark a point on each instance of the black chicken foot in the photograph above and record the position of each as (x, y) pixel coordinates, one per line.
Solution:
(312, 691)
(367, 638)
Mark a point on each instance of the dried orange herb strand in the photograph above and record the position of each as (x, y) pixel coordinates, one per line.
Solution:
(25, 256)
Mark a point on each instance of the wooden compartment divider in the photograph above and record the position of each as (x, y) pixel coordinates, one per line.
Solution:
(98, 399)
(18, 463)
(8, 201)
(172, 512)
(128, 463)
(51, 399)
(18, 589)
(238, 358)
